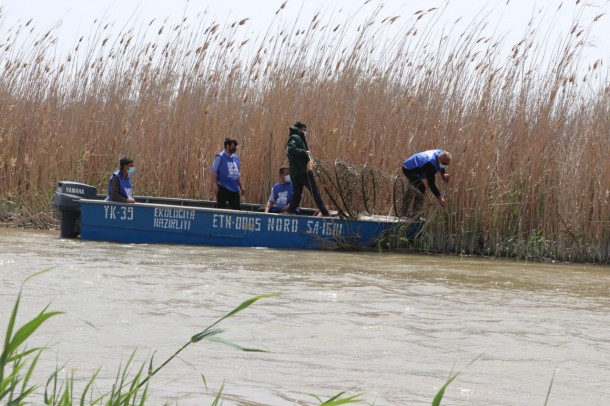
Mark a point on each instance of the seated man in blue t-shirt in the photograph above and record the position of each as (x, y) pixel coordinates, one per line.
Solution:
(281, 193)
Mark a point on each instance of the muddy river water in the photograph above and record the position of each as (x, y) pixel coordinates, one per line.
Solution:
(390, 326)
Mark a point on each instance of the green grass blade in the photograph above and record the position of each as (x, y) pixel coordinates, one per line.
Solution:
(338, 400)
(236, 346)
(441, 392)
(239, 308)
(52, 381)
(7, 349)
(25, 353)
(28, 329)
(135, 385)
(29, 373)
(144, 396)
(117, 396)
(88, 387)
(10, 383)
(206, 333)
(6, 353)
(67, 396)
(548, 393)
(36, 274)
(205, 383)
(217, 398)
(150, 365)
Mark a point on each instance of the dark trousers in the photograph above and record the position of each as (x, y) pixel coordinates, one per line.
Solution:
(224, 196)
(306, 180)
(415, 192)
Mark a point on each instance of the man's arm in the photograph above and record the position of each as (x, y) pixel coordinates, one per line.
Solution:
(214, 170)
(270, 202)
(268, 206)
(241, 188)
(295, 149)
(431, 178)
(115, 187)
(214, 183)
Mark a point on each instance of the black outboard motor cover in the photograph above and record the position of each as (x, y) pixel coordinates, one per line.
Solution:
(67, 202)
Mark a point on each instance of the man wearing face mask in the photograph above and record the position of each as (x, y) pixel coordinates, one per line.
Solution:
(226, 182)
(301, 173)
(424, 165)
(281, 193)
(119, 186)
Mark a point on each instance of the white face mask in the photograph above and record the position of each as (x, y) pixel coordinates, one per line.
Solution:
(304, 133)
(287, 178)
(442, 165)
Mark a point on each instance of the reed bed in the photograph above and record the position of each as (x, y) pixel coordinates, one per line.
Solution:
(529, 132)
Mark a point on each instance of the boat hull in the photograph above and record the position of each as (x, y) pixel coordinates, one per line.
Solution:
(169, 224)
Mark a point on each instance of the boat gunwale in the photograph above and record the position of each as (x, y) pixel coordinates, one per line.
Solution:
(366, 218)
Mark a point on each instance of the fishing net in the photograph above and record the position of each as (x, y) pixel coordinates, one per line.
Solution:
(355, 190)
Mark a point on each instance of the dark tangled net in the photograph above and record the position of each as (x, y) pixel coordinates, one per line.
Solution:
(355, 190)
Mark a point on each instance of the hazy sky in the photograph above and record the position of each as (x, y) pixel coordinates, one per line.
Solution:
(508, 18)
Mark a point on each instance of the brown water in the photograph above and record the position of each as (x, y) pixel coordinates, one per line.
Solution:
(392, 326)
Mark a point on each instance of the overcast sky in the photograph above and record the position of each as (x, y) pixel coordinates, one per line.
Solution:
(507, 18)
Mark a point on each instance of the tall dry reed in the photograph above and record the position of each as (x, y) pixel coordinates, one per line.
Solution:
(529, 132)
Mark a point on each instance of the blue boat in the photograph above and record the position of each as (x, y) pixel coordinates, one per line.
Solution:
(196, 222)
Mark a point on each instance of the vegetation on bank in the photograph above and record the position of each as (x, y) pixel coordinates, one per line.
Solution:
(529, 133)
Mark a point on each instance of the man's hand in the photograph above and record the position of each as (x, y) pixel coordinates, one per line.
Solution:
(442, 201)
(446, 177)
(131, 200)
(215, 189)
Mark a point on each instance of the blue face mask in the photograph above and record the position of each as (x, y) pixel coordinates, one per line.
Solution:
(131, 170)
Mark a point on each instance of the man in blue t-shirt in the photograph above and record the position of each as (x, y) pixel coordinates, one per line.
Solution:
(226, 182)
(119, 185)
(424, 165)
(281, 193)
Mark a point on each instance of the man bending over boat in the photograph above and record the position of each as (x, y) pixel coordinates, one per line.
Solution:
(119, 186)
(424, 165)
(281, 193)
(226, 182)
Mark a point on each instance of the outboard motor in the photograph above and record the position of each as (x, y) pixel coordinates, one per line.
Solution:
(67, 202)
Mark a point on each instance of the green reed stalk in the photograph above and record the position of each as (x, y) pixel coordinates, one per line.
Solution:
(209, 334)
(548, 393)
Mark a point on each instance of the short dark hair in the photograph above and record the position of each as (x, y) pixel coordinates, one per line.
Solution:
(283, 169)
(228, 141)
(125, 161)
(300, 125)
